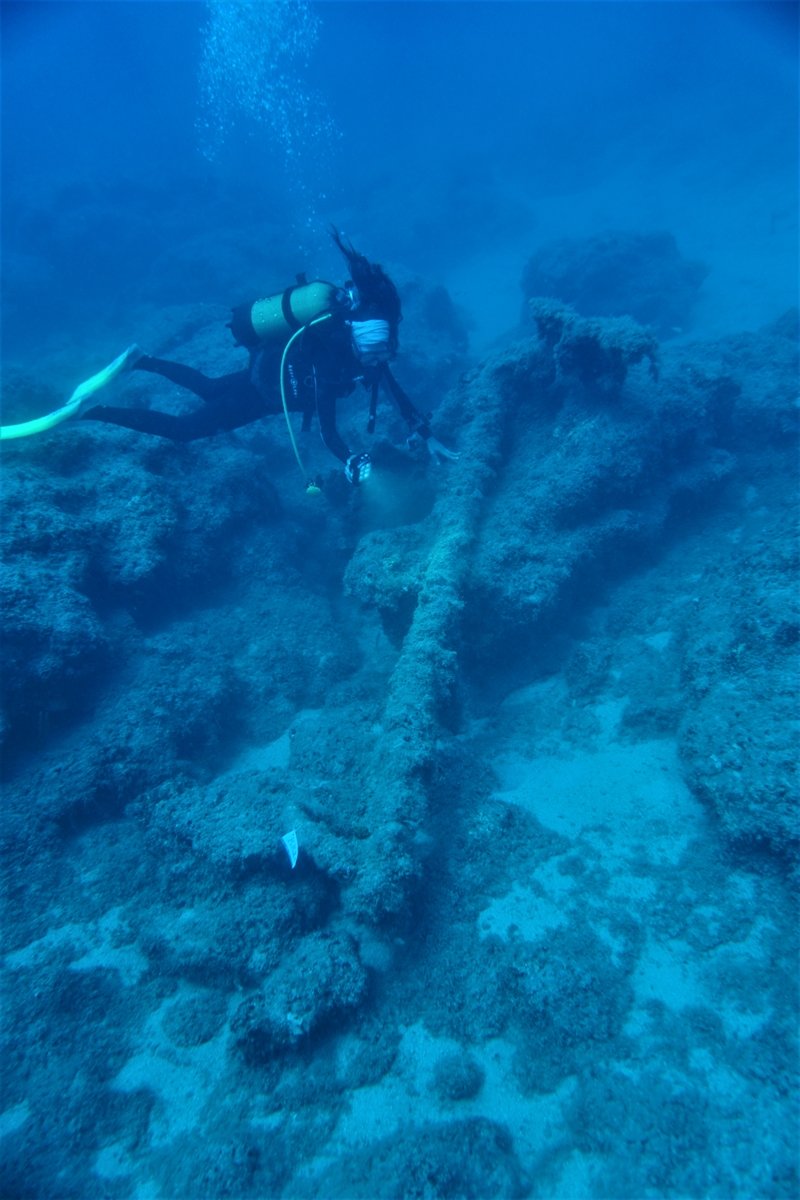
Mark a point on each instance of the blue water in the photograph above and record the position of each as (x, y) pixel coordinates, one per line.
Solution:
(530, 712)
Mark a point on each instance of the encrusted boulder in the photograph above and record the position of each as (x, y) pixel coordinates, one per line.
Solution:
(320, 978)
(616, 274)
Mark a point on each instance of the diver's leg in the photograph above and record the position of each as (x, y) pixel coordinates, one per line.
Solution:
(234, 402)
(202, 423)
(210, 390)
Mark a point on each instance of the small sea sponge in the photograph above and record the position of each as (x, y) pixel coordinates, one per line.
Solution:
(457, 1077)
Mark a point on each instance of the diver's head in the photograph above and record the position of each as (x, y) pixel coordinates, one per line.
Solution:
(374, 298)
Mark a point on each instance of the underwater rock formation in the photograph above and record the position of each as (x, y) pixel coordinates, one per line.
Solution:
(740, 672)
(252, 666)
(598, 353)
(469, 1158)
(321, 979)
(619, 274)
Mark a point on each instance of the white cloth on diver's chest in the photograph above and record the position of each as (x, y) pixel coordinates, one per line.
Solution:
(370, 336)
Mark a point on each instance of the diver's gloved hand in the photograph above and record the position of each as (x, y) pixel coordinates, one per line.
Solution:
(437, 451)
(357, 468)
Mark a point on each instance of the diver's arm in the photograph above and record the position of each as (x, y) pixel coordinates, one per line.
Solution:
(326, 411)
(418, 423)
(412, 416)
(357, 467)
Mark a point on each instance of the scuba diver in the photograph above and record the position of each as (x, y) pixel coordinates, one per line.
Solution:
(337, 337)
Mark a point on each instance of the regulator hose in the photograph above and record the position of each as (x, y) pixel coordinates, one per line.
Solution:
(311, 487)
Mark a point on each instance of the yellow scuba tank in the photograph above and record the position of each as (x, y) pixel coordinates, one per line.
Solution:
(275, 318)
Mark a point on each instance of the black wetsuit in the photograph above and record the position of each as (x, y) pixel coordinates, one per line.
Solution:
(322, 367)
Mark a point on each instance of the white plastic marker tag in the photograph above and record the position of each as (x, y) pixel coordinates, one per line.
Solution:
(290, 845)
